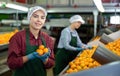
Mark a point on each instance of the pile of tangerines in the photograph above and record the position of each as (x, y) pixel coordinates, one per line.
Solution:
(83, 61)
(114, 46)
(5, 37)
(42, 50)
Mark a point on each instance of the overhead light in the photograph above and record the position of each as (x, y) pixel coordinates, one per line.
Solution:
(13, 6)
(18, 7)
(99, 5)
(115, 19)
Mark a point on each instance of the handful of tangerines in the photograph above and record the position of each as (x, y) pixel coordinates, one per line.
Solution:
(42, 50)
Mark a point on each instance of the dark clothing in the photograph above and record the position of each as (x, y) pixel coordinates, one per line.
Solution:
(33, 67)
(63, 56)
(20, 47)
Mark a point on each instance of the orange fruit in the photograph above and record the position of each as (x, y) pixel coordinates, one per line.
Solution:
(78, 68)
(75, 70)
(41, 47)
(40, 51)
(71, 63)
(85, 67)
(73, 66)
(69, 70)
(45, 50)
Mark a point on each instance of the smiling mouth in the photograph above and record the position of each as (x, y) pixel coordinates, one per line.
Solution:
(38, 24)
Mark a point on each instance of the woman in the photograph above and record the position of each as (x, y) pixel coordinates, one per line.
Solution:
(69, 44)
(22, 56)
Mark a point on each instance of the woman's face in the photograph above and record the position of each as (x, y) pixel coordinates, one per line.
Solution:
(37, 20)
(77, 24)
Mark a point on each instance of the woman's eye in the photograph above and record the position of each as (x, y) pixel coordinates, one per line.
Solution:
(35, 16)
(43, 17)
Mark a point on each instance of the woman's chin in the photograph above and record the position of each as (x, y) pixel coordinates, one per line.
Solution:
(37, 28)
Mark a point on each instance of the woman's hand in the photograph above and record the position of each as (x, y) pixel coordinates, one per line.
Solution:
(80, 49)
(31, 56)
(42, 57)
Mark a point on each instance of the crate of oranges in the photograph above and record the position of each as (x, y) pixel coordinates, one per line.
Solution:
(4, 39)
(81, 62)
(110, 69)
(114, 46)
(108, 52)
(42, 50)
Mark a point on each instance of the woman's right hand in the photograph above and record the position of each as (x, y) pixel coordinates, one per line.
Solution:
(80, 49)
(42, 57)
(31, 56)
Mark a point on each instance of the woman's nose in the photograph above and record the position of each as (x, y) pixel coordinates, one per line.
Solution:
(39, 19)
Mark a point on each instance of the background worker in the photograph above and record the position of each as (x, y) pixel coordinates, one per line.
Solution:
(69, 44)
(22, 56)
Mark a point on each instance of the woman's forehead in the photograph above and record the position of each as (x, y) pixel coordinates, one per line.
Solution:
(39, 12)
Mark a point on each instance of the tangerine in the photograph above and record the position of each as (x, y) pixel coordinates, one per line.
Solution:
(45, 50)
(39, 51)
(41, 47)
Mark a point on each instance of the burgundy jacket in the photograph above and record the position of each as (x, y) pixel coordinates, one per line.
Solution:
(17, 48)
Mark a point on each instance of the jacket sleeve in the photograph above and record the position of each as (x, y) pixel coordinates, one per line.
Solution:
(14, 59)
(65, 39)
